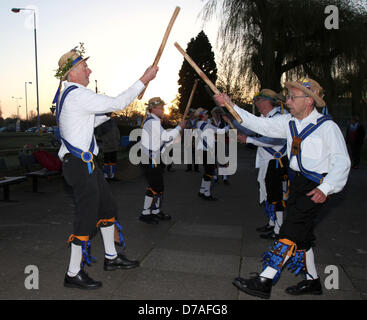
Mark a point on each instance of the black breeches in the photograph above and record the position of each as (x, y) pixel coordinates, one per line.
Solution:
(301, 211)
(92, 196)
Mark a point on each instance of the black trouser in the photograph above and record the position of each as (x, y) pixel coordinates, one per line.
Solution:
(154, 176)
(274, 182)
(193, 162)
(110, 157)
(92, 195)
(209, 169)
(301, 211)
(356, 154)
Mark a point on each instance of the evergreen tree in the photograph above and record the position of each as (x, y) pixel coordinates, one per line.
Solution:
(200, 50)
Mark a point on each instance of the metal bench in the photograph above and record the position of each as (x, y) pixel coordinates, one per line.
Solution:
(6, 182)
(43, 173)
(29, 162)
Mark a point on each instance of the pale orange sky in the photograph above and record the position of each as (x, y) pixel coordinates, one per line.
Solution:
(121, 38)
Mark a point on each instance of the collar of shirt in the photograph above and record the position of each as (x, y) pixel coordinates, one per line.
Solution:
(155, 117)
(272, 112)
(311, 118)
(69, 83)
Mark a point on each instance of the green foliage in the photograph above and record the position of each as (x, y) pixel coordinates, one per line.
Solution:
(287, 39)
(80, 50)
(200, 50)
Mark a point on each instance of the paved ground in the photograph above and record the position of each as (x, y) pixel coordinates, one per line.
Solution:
(194, 256)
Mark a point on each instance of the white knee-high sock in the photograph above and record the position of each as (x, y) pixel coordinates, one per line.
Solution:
(157, 209)
(108, 234)
(207, 188)
(310, 265)
(278, 222)
(75, 260)
(147, 204)
(202, 187)
(271, 223)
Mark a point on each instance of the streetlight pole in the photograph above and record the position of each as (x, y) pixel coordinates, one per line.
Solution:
(26, 103)
(17, 10)
(17, 104)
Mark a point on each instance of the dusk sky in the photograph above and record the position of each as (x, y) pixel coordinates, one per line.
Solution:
(121, 38)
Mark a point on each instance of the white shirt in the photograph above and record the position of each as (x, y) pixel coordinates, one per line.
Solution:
(324, 151)
(155, 138)
(208, 132)
(79, 115)
(262, 156)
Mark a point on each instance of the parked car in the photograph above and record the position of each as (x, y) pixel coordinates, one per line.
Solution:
(32, 129)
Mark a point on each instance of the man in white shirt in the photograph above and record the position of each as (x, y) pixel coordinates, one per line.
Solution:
(154, 142)
(218, 121)
(206, 144)
(320, 166)
(271, 160)
(79, 110)
(189, 142)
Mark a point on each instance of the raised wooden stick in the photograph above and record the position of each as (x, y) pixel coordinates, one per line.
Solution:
(206, 80)
(163, 44)
(190, 99)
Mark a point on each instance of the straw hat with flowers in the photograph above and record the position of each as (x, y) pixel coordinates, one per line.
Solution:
(69, 61)
(311, 88)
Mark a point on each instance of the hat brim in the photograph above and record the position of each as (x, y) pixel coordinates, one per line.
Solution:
(74, 66)
(319, 101)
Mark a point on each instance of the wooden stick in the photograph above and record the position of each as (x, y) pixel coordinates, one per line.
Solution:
(163, 44)
(190, 99)
(211, 95)
(206, 80)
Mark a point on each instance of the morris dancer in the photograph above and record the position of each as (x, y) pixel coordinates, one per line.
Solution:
(191, 124)
(154, 142)
(79, 111)
(272, 162)
(218, 121)
(320, 164)
(206, 143)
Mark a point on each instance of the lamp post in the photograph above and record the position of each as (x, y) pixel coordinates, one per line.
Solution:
(17, 10)
(26, 103)
(17, 104)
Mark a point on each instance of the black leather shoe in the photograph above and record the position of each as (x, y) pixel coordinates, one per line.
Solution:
(81, 281)
(271, 236)
(266, 228)
(209, 198)
(148, 218)
(201, 195)
(258, 286)
(120, 262)
(163, 216)
(306, 287)
(226, 182)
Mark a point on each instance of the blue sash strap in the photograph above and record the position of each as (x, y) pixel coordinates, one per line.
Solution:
(276, 154)
(86, 156)
(314, 176)
(202, 129)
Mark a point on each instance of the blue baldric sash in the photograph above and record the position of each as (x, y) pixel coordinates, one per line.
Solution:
(296, 146)
(154, 163)
(202, 129)
(277, 154)
(86, 156)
